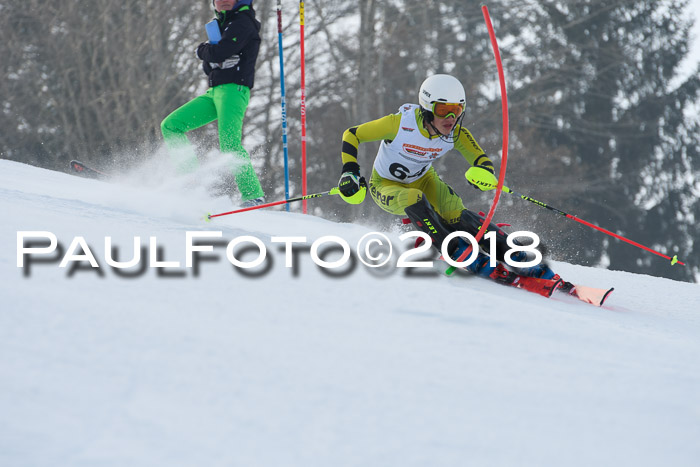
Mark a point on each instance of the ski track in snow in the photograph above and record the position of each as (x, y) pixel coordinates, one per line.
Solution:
(309, 370)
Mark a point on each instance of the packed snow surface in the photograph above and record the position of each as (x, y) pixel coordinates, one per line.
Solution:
(298, 367)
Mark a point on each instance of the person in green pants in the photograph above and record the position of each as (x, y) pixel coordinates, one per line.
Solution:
(230, 67)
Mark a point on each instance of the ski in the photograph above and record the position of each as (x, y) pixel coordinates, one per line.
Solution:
(504, 276)
(586, 294)
(84, 171)
(543, 287)
(546, 287)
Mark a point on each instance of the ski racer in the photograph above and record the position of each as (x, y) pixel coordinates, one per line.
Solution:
(230, 68)
(403, 181)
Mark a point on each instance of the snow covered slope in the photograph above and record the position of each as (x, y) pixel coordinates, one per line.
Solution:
(298, 368)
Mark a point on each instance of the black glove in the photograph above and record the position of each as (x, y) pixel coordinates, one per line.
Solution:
(352, 185)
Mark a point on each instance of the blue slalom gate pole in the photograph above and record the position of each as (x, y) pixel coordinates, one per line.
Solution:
(284, 104)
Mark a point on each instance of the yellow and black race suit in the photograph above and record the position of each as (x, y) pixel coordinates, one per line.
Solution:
(392, 185)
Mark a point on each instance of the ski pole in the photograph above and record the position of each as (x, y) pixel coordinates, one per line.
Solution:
(673, 260)
(332, 191)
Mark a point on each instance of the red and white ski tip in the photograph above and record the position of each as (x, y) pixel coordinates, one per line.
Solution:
(591, 295)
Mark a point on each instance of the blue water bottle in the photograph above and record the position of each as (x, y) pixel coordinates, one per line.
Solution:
(213, 32)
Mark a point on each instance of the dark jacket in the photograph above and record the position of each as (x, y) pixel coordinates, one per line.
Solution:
(240, 36)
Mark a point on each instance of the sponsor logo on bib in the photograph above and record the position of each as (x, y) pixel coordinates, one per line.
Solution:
(431, 153)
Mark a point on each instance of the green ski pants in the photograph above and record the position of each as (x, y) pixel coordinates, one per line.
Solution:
(226, 103)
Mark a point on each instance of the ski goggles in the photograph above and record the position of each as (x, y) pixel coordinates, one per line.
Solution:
(445, 109)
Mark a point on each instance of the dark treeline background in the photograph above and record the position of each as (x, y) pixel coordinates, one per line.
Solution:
(602, 125)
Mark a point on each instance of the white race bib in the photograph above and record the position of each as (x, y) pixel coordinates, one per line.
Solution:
(409, 156)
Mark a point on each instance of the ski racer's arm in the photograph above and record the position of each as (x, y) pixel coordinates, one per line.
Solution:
(382, 128)
(481, 174)
(470, 149)
(352, 185)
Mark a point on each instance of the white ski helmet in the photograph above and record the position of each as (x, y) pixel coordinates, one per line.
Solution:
(441, 88)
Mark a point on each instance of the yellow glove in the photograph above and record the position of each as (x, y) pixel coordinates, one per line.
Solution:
(481, 178)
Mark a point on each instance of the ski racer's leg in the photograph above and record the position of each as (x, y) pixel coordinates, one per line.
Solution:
(431, 204)
(192, 115)
(411, 200)
(441, 196)
(393, 197)
(408, 199)
(231, 102)
(450, 207)
(471, 222)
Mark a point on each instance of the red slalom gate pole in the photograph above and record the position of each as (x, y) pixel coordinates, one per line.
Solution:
(332, 191)
(674, 259)
(504, 158)
(303, 107)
